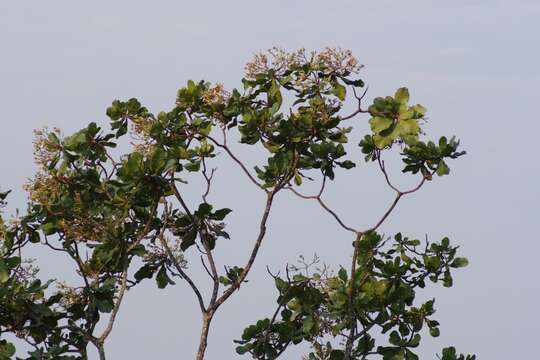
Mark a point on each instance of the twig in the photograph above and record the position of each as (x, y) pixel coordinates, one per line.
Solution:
(208, 180)
(359, 109)
(112, 318)
(182, 272)
(319, 199)
(240, 163)
(207, 249)
(249, 264)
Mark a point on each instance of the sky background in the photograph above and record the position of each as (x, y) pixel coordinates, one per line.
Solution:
(473, 64)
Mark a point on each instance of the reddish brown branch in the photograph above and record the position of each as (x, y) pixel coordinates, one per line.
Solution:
(240, 163)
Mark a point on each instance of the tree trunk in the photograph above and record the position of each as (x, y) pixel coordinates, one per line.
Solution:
(203, 342)
(101, 351)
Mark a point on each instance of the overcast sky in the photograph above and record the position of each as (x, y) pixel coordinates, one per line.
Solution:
(473, 64)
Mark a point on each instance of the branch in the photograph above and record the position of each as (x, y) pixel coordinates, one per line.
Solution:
(209, 256)
(400, 193)
(123, 285)
(226, 148)
(258, 241)
(146, 229)
(112, 318)
(319, 199)
(182, 272)
(359, 109)
(208, 180)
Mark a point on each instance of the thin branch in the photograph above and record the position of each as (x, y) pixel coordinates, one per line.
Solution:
(99, 341)
(146, 229)
(359, 109)
(182, 272)
(400, 193)
(202, 234)
(206, 268)
(208, 180)
(116, 308)
(258, 242)
(319, 199)
(240, 163)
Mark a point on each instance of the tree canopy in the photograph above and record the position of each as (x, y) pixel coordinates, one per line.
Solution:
(123, 218)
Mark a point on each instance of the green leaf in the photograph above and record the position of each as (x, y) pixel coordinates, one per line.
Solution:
(407, 127)
(419, 110)
(3, 195)
(459, 262)
(308, 324)
(188, 239)
(379, 124)
(7, 350)
(241, 350)
(12, 262)
(382, 141)
(402, 95)
(449, 353)
(4, 272)
(225, 280)
(337, 355)
(221, 214)
(74, 141)
(274, 95)
(347, 164)
(104, 306)
(204, 210)
(145, 272)
(49, 228)
(158, 160)
(442, 169)
(342, 273)
(356, 83)
(162, 278)
(339, 90)
(395, 339)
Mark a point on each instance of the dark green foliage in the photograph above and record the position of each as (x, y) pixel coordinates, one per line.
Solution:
(315, 307)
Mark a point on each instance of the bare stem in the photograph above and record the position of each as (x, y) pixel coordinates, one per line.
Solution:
(114, 313)
(182, 273)
(319, 199)
(359, 109)
(240, 163)
(258, 242)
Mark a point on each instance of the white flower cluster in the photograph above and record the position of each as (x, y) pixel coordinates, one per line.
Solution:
(334, 60)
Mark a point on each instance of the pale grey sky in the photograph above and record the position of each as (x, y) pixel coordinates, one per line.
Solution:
(474, 64)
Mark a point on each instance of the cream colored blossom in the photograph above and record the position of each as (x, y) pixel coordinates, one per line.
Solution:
(215, 95)
(140, 131)
(335, 60)
(70, 295)
(45, 150)
(43, 189)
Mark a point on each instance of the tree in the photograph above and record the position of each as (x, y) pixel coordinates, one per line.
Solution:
(129, 214)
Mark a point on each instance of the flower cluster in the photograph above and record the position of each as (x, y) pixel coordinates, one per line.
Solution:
(45, 148)
(215, 95)
(157, 253)
(337, 60)
(140, 131)
(26, 272)
(82, 229)
(330, 60)
(70, 295)
(43, 189)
